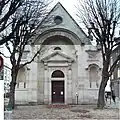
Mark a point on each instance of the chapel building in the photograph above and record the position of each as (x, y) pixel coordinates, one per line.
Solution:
(68, 68)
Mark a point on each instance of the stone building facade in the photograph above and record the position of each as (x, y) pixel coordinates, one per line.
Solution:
(68, 67)
(115, 78)
(5, 72)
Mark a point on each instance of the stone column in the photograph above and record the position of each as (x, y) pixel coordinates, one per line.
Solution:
(32, 87)
(46, 87)
(69, 84)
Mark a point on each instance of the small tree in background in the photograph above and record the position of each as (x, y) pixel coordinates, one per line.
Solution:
(24, 22)
(7, 9)
(101, 18)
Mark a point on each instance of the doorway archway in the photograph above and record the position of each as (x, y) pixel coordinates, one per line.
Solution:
(58, 91)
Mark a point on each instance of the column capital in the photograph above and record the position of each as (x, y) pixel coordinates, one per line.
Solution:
(45, 65)
(69, 65)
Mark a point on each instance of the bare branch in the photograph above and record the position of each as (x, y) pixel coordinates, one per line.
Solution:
(38, 52)
(8, 47)
(116, 44)
(114, 65)
(14, 5)
(4, 55)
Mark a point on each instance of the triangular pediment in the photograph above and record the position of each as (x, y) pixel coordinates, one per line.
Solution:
(57, 56)
(68, 23)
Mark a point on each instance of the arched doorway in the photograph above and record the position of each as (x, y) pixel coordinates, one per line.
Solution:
(58, 93)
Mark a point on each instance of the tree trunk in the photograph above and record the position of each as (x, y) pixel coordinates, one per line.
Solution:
(12, 90)
(101, 100)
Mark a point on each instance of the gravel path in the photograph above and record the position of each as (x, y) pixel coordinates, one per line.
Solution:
(61, 112)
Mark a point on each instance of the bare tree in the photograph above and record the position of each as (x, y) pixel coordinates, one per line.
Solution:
(24, 22)
(101, 18)
(7, 9)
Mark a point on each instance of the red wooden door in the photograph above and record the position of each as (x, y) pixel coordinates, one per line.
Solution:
(57, 91)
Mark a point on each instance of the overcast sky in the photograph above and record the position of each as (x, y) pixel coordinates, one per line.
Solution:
(69, 5)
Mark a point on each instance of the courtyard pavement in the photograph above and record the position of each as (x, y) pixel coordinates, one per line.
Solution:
(64, 112)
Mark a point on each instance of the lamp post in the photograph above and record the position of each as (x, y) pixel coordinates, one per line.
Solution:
(76, 98)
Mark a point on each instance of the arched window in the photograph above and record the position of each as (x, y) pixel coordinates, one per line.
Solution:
(93, 75)
(57, 48)
(21, 78)
(57, 74)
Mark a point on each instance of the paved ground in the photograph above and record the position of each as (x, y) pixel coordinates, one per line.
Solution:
(67, 112)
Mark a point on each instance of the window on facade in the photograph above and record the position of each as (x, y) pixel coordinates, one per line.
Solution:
(118, 73)
(1, 77)
(57, 48)
(93, 76)
(1, 74)
(115, 73)
(24, 55)
(58, 20)
(58, 74)
(24, 85)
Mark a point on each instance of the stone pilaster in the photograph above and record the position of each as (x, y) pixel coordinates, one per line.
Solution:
(69, 84)
(46, 94)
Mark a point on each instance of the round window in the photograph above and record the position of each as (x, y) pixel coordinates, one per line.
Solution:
(58, 20)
